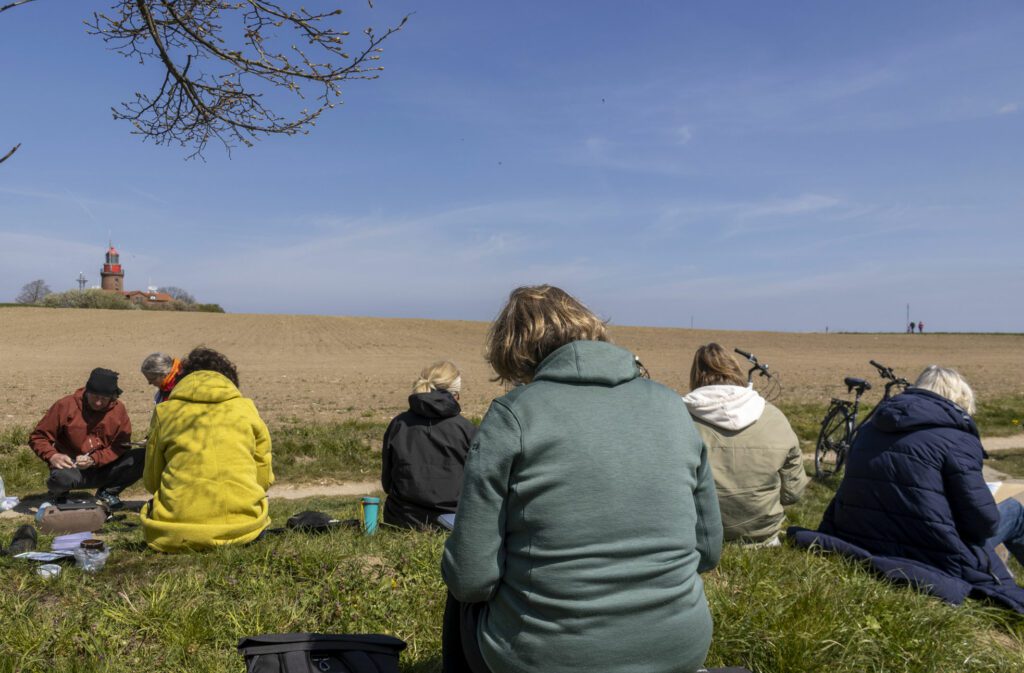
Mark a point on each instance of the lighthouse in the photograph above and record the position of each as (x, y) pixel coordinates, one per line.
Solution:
(112, 273)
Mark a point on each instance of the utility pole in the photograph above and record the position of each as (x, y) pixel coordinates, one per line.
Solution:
(907, 321)
(81, 280)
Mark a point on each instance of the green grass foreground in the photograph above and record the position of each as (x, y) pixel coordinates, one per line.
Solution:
(778, 610)
(775, 610)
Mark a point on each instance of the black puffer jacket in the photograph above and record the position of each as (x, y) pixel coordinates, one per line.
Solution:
(424, 454)
(914, 502)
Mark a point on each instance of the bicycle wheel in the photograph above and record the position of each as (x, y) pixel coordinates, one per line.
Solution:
(833, 442)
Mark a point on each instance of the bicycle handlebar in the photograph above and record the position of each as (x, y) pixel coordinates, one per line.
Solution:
(763, 369)
(883, 371)
(887, 373)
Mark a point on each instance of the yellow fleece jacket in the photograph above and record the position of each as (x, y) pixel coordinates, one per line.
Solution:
(207, 466)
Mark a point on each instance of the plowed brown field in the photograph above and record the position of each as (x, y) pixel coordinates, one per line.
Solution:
(327, 368)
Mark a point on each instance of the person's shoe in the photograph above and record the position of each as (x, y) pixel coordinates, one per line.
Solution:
(24, 540)
(110, 500)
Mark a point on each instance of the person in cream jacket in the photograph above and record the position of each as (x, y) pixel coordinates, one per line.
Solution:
(754, 454)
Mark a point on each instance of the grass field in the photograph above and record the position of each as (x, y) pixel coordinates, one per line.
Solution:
(775, 610)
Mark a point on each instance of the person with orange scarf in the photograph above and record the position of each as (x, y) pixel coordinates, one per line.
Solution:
(163, 372)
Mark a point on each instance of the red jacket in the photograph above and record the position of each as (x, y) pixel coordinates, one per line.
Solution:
(69, 429)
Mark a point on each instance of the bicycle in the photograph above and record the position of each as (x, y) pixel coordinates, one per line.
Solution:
(773, 386)
(839, 428)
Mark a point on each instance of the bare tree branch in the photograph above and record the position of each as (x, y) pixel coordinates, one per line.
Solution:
(8, 155)
(12, 5)
(214, 89)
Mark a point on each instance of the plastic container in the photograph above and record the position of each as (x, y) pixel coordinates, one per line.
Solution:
(48, 570)
(10, 502)
(91, 556)
(370, 510)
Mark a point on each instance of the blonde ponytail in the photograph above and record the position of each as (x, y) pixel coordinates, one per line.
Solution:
(441, 375)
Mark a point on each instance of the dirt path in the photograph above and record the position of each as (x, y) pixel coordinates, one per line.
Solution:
(996, 444)
(350, 488)
(991, 444)
(298, 491)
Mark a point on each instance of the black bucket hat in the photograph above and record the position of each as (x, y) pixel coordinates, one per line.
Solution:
(103, 382)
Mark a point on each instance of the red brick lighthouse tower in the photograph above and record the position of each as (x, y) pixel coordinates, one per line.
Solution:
(112, 274)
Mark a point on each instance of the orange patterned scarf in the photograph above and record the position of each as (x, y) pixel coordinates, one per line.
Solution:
(172, 378)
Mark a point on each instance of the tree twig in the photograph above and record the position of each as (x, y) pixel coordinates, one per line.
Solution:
(11, 5)
(8, 155)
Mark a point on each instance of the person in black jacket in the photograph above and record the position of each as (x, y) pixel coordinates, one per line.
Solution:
(914, 503)
(425, 451)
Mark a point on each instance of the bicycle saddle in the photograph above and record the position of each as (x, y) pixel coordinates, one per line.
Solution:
(860, 384)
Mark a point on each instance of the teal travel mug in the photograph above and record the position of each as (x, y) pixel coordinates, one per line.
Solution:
(370, 508)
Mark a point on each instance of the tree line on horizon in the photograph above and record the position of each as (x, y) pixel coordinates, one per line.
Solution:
(38, 293)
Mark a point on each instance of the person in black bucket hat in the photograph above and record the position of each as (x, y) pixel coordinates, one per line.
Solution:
(85, 439)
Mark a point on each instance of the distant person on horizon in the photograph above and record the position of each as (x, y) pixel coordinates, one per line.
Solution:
(910, 328)
(587, 512)
(425, 450)
(914, 503)
(208, 461)
(85, 439)
(754, 454)
(920, 327)
(162, 372)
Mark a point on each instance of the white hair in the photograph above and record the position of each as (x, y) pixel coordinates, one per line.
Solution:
(948, 383)
(157, 363)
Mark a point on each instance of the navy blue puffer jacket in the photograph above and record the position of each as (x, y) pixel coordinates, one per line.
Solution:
(914, 503)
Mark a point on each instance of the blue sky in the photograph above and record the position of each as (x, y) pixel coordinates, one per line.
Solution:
(746, 165)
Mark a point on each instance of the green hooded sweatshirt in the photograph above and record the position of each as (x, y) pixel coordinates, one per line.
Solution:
(587, 510)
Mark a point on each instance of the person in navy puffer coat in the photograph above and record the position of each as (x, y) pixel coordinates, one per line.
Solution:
(914, 502)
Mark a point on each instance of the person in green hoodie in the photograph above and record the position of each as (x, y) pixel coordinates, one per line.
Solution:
(208, 461)
(588, 509)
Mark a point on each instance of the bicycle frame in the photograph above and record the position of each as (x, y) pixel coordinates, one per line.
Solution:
(837, 439)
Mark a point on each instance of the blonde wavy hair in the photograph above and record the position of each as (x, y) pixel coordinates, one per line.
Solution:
(536, 321)
(441, 375)
(713, 365)
(948, 383)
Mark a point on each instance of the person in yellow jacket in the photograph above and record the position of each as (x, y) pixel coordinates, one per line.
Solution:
(207, 461)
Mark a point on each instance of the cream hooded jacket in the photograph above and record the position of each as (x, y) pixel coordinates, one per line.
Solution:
(755, 458)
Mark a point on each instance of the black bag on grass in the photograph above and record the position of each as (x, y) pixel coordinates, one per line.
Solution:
(320, 653)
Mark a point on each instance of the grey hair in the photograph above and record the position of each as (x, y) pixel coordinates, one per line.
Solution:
(157, 363)
(948, 383)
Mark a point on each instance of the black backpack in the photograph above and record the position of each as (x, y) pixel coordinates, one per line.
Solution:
(320, 653)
